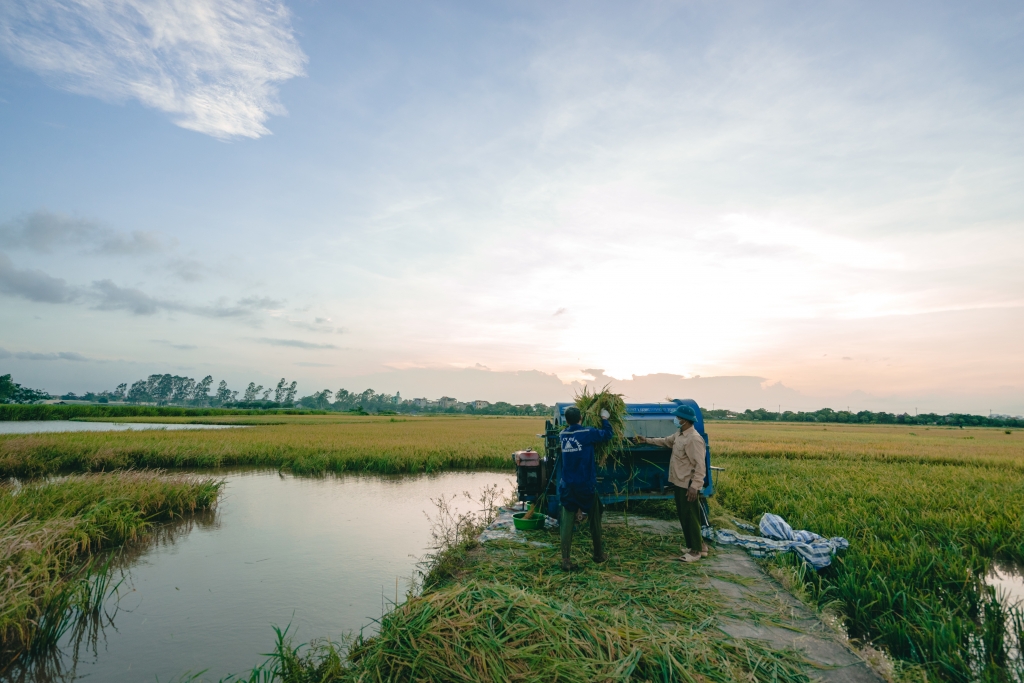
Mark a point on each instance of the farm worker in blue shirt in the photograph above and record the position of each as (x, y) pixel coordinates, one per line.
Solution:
(577, 487)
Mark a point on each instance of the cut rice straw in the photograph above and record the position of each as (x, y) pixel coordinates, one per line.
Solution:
(591, 404)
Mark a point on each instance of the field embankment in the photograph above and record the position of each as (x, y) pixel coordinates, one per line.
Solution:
(49, 528)
(367, 444)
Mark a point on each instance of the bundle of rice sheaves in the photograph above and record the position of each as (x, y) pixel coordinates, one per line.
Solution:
(591, 403)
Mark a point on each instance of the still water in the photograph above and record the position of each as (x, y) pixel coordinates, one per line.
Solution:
(37, 426)
(322, 554)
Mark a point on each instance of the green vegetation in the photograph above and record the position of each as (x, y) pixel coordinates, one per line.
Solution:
(14, 413)
(327, 444)
(12, 392)
(921, 537)
(48, 529)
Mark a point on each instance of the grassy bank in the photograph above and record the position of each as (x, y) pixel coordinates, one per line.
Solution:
(510, 614)
(385, 445)
(48, 529)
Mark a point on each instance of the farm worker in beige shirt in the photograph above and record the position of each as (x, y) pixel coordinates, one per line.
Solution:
(686, 472)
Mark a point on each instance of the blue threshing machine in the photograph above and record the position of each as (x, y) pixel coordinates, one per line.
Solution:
(638, 472)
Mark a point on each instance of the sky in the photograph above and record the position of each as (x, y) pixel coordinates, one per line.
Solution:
(795, 204)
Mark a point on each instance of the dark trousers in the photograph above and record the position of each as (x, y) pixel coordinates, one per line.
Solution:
(689, 519)
(567, 524)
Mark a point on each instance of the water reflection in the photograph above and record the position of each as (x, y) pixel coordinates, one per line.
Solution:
(46, 426)
(323, 554)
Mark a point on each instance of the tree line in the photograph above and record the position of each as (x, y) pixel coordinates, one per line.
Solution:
(866, 417)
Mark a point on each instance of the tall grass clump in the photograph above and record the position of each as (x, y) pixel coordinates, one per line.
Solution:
(48, 530)
(591, 403)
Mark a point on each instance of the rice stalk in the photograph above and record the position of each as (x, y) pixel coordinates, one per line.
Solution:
(591, 403)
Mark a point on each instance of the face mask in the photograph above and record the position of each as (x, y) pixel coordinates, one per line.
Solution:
(676, 421)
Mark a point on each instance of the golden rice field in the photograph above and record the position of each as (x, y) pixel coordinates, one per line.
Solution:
(927, 509)
(306, 444)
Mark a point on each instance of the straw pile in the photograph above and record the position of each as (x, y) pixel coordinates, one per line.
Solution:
(591, 403)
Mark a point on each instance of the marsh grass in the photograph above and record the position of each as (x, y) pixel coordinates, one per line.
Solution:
(305, 447)
(49, 528)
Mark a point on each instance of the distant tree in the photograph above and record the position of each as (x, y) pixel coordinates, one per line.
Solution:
(251, 391)
(279, 392)
(12, 392)
(119, 393)
(225, 395)
(289, 394)
(201, 395)
(266, 395)
(139, 393)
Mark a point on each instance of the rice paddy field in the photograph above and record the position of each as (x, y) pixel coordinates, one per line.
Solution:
(927, 511)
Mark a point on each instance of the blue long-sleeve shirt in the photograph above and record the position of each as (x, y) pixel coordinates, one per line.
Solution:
(579, 469)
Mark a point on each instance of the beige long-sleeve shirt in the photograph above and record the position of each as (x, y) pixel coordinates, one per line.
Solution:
(686, 468)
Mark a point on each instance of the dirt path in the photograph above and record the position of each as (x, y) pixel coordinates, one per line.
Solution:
(770, 613)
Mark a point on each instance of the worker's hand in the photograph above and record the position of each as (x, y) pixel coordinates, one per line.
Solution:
(641, 439)
(605, 414)
(691, 494)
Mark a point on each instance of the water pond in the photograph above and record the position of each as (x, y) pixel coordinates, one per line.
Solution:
(38, 426)
(322, 554)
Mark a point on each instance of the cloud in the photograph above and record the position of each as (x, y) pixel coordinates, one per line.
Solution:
(113, 297)
(31, 355)
(180, 347)
(315, 365)
(188, 270)
(297, 343)
(43, 231)
(34, 285)
(213, 65)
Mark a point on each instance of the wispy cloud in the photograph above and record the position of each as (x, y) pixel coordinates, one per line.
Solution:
(297, 343)
(44, 232)
(213, 65)
(112, 297)
(180, 347)
(34, 285)
(32, 355)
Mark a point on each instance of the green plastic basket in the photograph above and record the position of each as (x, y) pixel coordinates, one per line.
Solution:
(535, 522)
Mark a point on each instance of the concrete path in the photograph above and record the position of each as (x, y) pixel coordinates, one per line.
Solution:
(768, 612)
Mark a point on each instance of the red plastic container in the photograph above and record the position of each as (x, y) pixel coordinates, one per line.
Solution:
(527, 458)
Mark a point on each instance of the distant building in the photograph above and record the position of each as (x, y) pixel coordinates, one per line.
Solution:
(421, 402)
(446, 402)
(477, 405)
